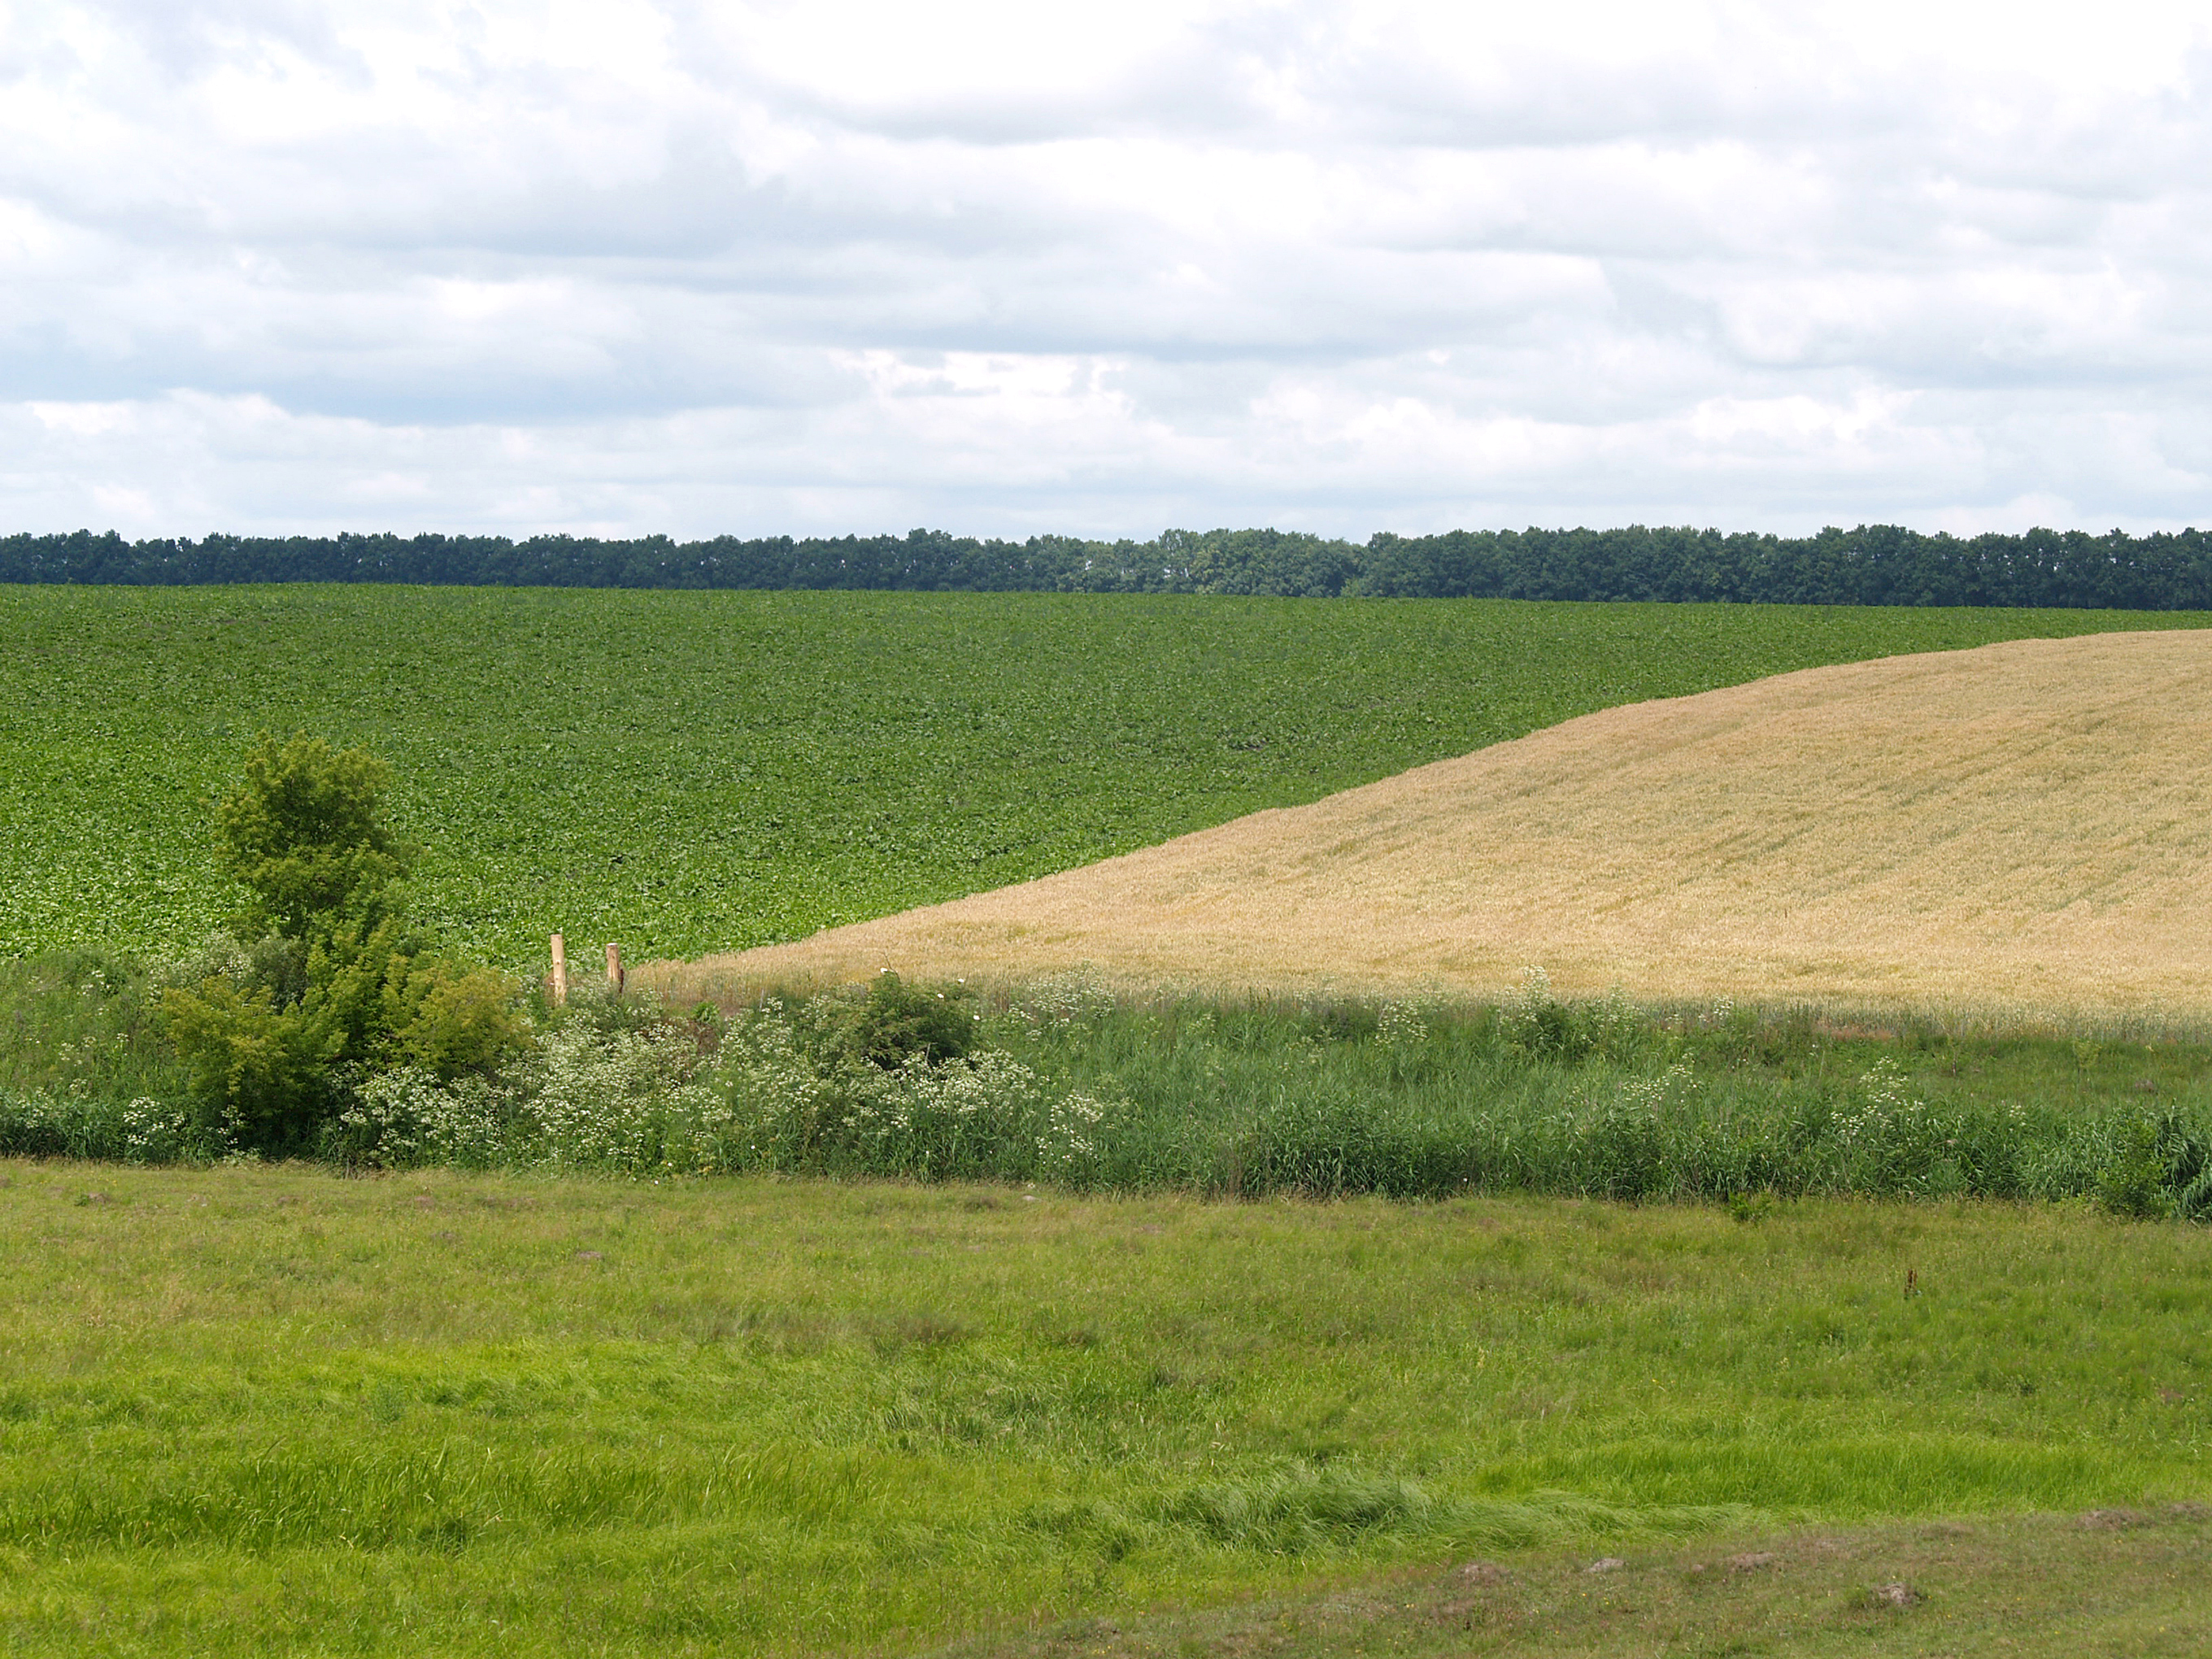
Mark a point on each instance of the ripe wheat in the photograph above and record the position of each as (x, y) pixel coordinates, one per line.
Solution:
(2026, 827)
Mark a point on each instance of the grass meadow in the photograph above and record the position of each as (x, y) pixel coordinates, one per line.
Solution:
(264, 1408)
(689, 772)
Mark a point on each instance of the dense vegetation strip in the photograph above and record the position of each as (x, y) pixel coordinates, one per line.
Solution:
(1873, 564)
(261, 1409)
(1066, 1087)
(696, 772)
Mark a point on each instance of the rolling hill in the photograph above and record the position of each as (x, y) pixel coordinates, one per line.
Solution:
(2021, 826)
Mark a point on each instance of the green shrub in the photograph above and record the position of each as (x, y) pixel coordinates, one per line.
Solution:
(258, 1070)
(2155, 1164)
(339, 979)
(888, 1023)
(266, 1068)
(450, 1018)
(2132, 1181)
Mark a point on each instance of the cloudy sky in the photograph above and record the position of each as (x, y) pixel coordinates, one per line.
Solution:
(633, 266)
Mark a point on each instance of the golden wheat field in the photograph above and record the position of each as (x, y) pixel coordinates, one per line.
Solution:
(2025, 826)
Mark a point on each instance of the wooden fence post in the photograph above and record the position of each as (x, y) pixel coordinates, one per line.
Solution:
(614, 968)
(560, 973)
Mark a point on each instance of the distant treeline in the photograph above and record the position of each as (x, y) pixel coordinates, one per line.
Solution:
(1873, 564)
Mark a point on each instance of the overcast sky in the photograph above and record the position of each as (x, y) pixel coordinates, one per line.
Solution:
(623, 266)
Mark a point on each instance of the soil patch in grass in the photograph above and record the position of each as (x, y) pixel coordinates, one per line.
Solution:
(2042, 1583)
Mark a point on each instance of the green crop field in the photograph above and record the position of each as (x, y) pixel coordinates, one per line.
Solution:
(686, 772)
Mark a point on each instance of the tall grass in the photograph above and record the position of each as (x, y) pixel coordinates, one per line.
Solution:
(81, 1024)
(1069, 1085)
(1605, 1100)
(1074, 1088)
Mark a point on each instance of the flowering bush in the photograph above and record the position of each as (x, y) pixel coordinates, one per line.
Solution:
(792, 1102)
(612, 1100)
(154, 1132)
(972, 1116)
(1402, 1024)
(409, 1116)
(1076, 997)
(763, 1092)
(1070, 1147)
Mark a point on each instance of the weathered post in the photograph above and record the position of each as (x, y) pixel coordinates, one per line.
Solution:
(560, 972)
(614, 968)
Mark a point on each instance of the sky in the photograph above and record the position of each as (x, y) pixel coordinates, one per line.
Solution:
(636, 266)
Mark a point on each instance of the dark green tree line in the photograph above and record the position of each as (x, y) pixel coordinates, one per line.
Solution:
(1873, 564)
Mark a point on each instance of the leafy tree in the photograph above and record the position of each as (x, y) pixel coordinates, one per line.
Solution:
(304, 833)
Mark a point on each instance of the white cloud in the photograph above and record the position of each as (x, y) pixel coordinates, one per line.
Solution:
(621, 266)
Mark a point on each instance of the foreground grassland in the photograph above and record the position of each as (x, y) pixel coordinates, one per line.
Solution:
(690, 772)
(257, 1408)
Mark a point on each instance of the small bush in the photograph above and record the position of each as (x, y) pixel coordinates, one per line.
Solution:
(888, 1023)
(1540, 1025)
(452, 1018)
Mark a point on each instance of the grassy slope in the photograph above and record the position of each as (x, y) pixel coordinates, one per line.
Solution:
(249, 1406)
(691, 771)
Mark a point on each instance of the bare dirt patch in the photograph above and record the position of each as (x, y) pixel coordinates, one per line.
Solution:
(2006, 1585)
